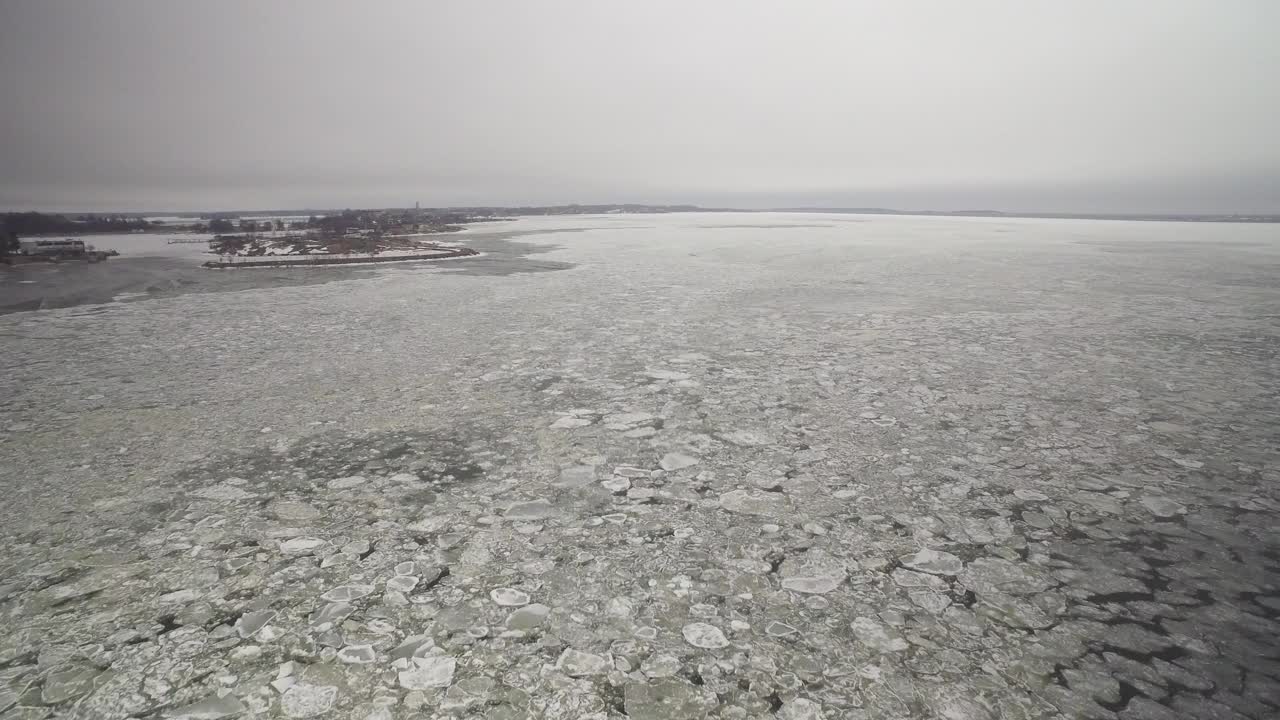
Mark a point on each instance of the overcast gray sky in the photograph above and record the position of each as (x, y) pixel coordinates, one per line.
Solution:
(1080, 105)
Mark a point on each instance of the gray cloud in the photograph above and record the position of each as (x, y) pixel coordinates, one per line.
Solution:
(1094, 105)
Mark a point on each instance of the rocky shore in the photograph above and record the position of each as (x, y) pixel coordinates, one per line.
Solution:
(443, 253)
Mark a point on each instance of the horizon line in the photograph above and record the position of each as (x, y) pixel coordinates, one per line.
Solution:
(688, 207)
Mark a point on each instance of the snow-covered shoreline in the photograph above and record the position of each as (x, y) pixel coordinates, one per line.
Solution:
(316, 259)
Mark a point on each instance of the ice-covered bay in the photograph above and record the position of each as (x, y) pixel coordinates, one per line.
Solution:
(729, 464)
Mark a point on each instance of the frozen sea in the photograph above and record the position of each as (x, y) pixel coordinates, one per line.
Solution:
(799, 466)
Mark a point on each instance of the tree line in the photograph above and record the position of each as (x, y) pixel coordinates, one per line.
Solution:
(35, 223)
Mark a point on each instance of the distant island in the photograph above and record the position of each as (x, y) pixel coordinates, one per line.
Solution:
(349, 236)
